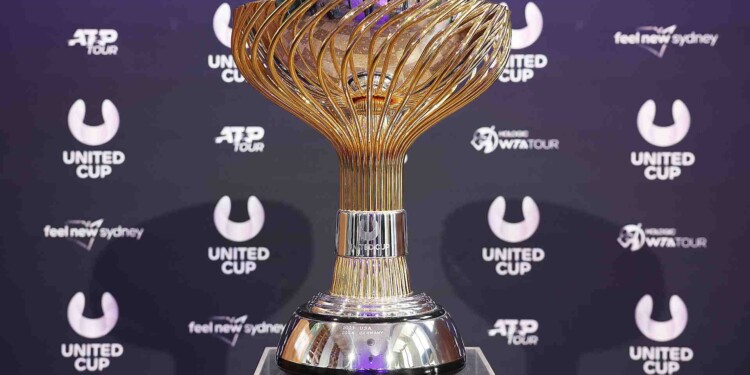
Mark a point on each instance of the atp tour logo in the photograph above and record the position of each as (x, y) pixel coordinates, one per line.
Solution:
(93, 164)
(229, 328)
(487, 140)
(518, 332)
(97, 42)
(238, 260)
(663, 165)
(224, 62)
(84, 232)
(242, 138)
(635, 237)
(656, 39)
(513, 261)
(661, 359)
(522, 67)
(92, 356)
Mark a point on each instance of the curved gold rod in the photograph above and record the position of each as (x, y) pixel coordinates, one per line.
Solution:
(371, 78)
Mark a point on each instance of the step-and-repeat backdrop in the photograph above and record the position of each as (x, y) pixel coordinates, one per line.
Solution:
(587, 215)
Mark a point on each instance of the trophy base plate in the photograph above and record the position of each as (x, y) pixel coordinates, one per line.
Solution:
(315, 343)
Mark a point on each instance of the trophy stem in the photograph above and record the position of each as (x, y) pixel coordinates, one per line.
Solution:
(371, 249)
(361, 277)
(371, 182)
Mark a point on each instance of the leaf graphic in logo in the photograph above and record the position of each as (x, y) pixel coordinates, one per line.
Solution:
(236, 326)
(664, 32)
(92, 228)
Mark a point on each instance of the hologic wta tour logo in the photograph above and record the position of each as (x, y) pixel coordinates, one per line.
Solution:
(511, 260)
(97, 42)
(517, 331)
(84, 232)
(92, 356)
(656, 39)
(229, 328)
(93, 164)
(224, 62)
(635, 237)
(242, 138)
(238, 260)
(661, 359)
(487, 140)
(663, 165)
(522, 67)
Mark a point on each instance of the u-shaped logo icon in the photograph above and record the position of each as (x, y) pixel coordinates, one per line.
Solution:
(221, 24)
(369, 228)
(242, 231)
(513, 232)
(663, 136)
(96, 327)
(526, 36)
(93, 135)
(661, 331)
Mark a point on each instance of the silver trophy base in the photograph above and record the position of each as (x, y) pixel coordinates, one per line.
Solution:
(408, 335)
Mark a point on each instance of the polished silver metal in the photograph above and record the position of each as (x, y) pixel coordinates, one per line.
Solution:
(321, 342)
(385, 333)
(378, 308)
(360, 82)
(371, 234)
(476, 363)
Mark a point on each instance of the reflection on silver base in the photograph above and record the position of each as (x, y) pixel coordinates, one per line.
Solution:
(383, 341)
(476, 363)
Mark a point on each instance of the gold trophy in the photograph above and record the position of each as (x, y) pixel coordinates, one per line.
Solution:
(371, 76)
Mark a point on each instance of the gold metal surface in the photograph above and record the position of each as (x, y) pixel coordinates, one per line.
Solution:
(371, 80)
(371, 277)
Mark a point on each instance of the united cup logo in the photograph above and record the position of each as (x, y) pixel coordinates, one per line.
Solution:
(93, 357)
(661, 331)
(238, 260)
(239, 231)
(522, 67)
(663, 136)
(368, 229)
(661, 359)
(367, 235)
(88, 327)
(221, 22)
(663, 165)
(224, 62)
(93, 135)
(526, 36)
(513, 232)
(513, 260)
(93, 164)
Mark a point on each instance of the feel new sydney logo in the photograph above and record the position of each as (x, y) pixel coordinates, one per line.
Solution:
(657, 39)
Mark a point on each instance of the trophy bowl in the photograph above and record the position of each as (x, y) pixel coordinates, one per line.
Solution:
(371, 76)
